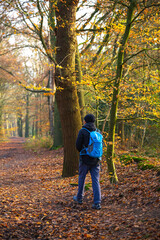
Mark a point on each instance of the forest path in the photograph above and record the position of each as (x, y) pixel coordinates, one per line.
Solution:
(36, 202)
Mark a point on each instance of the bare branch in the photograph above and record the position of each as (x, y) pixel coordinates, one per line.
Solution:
(20, 47)
(7, 71)
(138, 118)
(135, 54)
(149, 6)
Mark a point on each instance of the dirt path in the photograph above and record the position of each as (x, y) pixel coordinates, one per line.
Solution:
(36, 202)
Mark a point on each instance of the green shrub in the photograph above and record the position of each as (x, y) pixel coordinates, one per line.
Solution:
(38, 143)
(145, 166)
(87, 186)
(138, 159)
(143, 163)
(126, 159)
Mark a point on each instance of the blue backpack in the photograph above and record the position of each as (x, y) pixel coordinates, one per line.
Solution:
(95, 146)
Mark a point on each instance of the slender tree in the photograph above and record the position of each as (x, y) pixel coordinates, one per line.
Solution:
(27, 117)
(114, 106)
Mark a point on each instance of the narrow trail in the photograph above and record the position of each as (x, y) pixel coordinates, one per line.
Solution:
(36, 202)
(12, 154)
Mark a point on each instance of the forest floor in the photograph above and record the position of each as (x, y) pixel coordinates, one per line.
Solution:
(36, 202)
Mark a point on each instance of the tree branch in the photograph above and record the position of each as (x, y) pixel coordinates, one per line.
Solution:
(91, 30)
(138, 118)
(149, 6)
(30, 46)
(135, 54)
(7, 71)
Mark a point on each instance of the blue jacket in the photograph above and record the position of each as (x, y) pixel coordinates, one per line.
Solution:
(83, 141)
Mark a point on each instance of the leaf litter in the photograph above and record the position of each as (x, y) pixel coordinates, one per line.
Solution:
(36, 202)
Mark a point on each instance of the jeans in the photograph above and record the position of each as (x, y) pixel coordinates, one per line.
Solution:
(94, 171)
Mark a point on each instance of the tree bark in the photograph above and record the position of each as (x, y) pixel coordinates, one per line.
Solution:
(27, 117)
(121, 131)
(20, 125)
(36, 117)
(50, 103)
(1, 133)
(58, 140)
(114, 106)
(80, 88)
(51, 80)
(55, 129)
(67, 99)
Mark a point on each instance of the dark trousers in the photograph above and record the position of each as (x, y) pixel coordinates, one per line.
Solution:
(94, 171)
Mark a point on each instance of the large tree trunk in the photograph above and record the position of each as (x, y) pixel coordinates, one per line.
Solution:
(67, 99)
(114, 106)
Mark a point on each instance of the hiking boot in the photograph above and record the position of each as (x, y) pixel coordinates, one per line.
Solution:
(77, 200)
(96, 206)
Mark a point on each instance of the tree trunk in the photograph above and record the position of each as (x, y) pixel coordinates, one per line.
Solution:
(80, 88)
(1, 133)
(67, 99)
(40, 116)
(114, 106)
(58, 140)
(33, 128)
(20, 126)
(1, 109)
(27, 118)
(121, 131)
(97, 112)
(51, 80)
(56, 132)
(50, 103)
(37, 117)
(143, 134)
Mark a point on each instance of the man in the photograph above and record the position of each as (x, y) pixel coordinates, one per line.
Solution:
(87, 163)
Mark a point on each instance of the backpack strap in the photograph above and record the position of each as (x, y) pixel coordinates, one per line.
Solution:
(83, 151)
(86, 129)
(97, 130)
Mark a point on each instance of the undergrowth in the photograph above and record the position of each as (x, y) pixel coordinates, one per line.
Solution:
(143, 163)
(38, 143)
